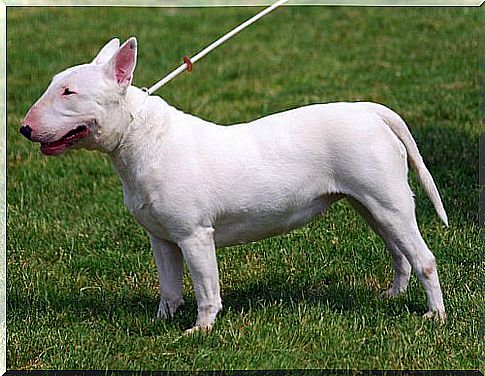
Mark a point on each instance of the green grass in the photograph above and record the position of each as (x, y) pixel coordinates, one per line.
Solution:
(82, 286)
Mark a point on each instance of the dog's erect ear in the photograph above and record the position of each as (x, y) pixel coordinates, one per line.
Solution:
(122, 64)
(107, 52)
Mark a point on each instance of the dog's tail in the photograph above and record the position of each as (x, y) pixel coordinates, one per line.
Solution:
(400, 129)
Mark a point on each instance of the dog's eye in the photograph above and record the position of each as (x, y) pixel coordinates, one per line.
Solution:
(68, 92)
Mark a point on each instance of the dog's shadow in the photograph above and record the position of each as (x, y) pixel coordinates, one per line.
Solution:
(332, 294)
(257, 295)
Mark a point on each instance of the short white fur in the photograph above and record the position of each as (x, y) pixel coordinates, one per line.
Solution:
(196, 186)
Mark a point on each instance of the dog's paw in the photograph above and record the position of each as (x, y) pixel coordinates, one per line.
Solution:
(166, 309)
(198, 329)
(205, 319)
(391, 293)
(439, 316)
(163, 312)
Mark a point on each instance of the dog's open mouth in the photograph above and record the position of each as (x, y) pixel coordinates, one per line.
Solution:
(69, 139)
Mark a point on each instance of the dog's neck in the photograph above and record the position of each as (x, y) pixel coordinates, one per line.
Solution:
(142, 114)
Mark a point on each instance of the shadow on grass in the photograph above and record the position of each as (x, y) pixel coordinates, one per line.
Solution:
(128, 309)
(333, 295)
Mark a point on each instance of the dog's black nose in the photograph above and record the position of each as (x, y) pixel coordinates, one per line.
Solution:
(26, 131)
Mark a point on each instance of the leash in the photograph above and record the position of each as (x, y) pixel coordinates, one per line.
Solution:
(189, 62)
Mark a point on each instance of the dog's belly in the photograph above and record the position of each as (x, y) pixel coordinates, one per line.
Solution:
(256, 221)
(244, 227)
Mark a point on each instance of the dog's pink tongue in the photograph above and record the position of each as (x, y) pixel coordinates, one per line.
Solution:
(47, 149)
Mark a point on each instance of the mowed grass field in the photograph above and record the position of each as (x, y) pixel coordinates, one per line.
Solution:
(82, 285)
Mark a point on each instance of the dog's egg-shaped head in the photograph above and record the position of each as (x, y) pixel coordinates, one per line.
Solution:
(81, 106)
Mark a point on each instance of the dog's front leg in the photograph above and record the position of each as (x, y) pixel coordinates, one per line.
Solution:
(200, 254)
(170, 264)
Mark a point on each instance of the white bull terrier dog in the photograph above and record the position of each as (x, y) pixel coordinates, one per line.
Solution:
(196, 186)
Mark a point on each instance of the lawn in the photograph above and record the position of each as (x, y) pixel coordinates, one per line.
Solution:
(82, 286)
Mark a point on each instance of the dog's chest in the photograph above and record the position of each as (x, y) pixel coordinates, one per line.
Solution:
(141, 208)
(139, 197)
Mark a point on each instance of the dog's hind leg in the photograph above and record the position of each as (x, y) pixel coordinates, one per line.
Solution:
(394, 213)
(402, 267)
(169, 260)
